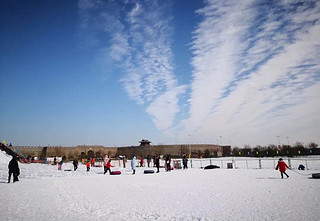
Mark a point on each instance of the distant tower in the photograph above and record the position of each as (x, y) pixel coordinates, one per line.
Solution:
(144, 143)
(44, 152)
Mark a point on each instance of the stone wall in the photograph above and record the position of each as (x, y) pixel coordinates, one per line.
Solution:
(82, 151)
(174, 150)
(69, 152)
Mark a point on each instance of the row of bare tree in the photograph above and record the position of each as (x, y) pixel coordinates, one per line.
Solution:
(281, 150)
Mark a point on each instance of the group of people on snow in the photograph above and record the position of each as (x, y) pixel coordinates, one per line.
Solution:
(15, 171)
(13, 165)
(107, 163)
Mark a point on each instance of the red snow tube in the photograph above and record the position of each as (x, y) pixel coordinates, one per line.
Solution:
(115, 173)
(148, 171)
(316, 175)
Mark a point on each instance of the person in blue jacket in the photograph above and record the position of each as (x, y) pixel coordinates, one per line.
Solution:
(133, 164)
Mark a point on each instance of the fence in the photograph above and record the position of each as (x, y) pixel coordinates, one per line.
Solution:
(312, 163)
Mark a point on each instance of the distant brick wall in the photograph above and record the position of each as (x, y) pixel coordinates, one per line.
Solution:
(71, 152)
(174, 150)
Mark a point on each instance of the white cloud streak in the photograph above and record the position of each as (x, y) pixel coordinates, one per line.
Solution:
(256, 73)
(256, 68)
(140, 42)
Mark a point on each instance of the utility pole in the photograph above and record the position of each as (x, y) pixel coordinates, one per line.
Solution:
(189, 135)
(278, 141)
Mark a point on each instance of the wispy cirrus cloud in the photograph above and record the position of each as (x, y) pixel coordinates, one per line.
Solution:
(139, 38)
(255, 66)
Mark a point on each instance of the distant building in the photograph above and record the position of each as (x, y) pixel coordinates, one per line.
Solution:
(177, 150)
(145, 143)
(144, 149)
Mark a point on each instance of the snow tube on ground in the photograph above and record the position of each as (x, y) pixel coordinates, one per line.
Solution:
(115, 173)
(316, 175)
(148, 171)
(211, 167)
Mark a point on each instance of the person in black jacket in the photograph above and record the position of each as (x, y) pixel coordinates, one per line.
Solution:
(157, 161)
(13, 169)
(75, 164)
(168, 162)
(185, 162)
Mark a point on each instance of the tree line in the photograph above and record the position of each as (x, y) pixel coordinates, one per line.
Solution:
(298, 149)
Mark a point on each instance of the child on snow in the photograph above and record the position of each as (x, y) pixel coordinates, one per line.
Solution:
(88, 166)
(108, 166)
(93, 161)
(60, 165)
(133, 164)
(282, 166)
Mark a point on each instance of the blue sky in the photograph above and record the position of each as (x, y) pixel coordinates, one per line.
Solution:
(115, 72)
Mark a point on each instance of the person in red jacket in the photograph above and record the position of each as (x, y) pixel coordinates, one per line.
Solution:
(108, 167)
(93, 161)
(282, 166)
(88, 166)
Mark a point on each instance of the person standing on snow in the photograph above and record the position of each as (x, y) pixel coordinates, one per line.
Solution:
(88, 166)
(168, 162)
(105, 162)
(282, 166)
(133, 164)
(75, 164)
(185, 162)
(13, 169)
(93, 161)
(141, 161)
(157, 161)
(60, 165)
(154, 160)
(124, 161)
(148, 160)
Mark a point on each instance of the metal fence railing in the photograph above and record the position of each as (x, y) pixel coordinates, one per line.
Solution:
(312, 163)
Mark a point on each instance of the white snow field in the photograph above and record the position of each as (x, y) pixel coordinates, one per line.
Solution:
(44, 193)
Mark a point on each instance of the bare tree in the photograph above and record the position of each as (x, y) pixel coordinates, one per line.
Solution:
(312, 145)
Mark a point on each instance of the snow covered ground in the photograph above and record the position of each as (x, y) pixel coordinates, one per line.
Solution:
(44, 193)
